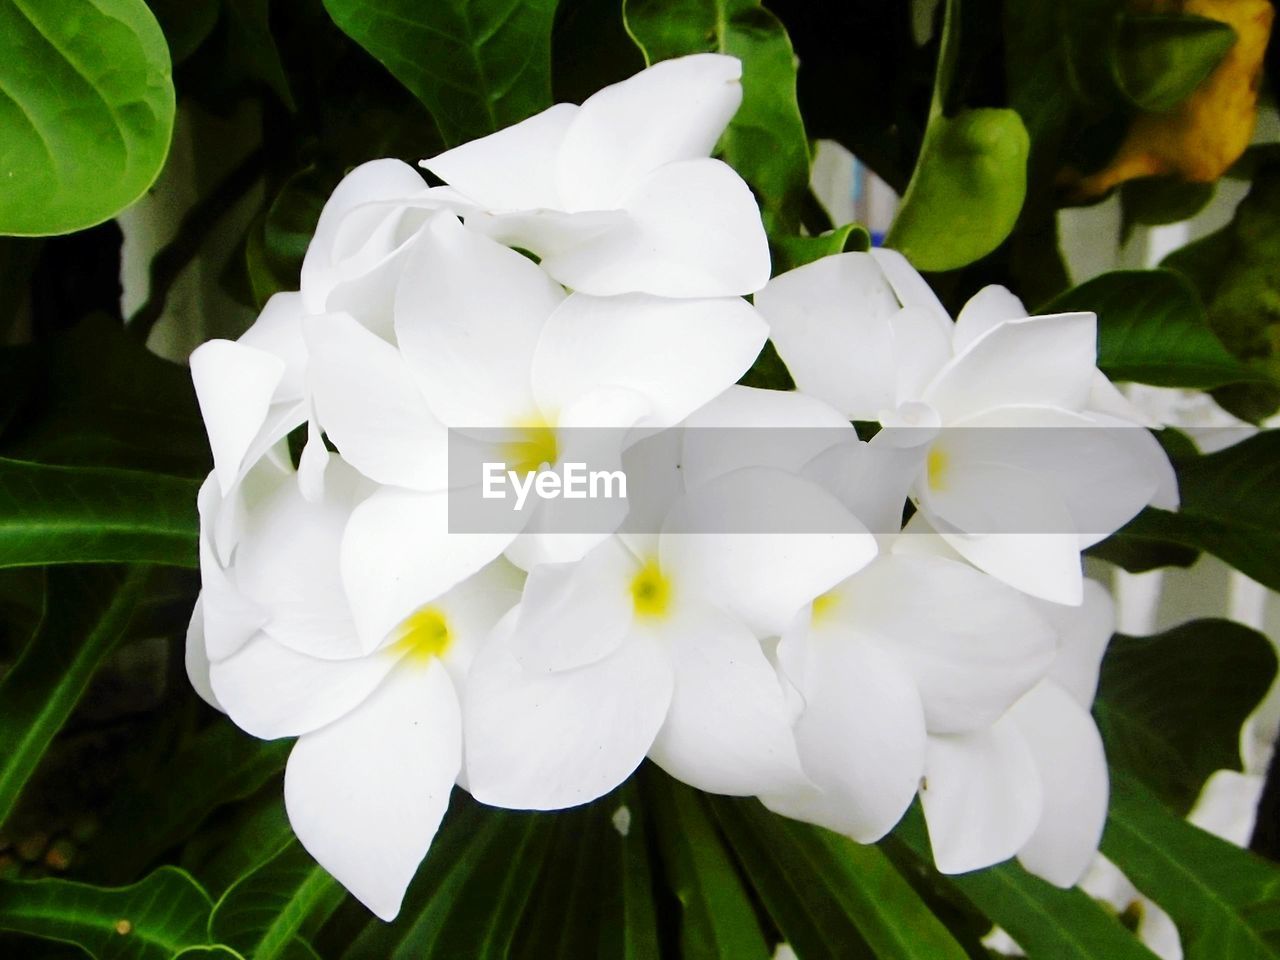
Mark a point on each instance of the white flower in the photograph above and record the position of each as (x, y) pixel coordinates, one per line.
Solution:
(379, 733)
(909, 646)
(656, 652)
(865, 333)
(1035, 784)
(254, 390)
(487, 341)
(619, 195)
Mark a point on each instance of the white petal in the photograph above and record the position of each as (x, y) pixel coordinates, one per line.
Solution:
(911, 289)
(870, 479)
(196, 659)
(1104, 472)
(677, 354)
(234, 385)
(371, 408)
(1073, 768)
(1039, 361)
(365, 795)
(287, 561)
(986, 309)
(982, 796)
(278, 331)
(974, 647)
(398, 554)
(675, 110)
(538, 741)
(513, 169)
(469, 312)
(729, 728)
(760, 544)
(920, 349)
(573, 614)
(271, 691)
(861, 734)
(1084, 633)
(229, 618)
(747, 427)
(1044, 565)
(830, 323)
(335, 240)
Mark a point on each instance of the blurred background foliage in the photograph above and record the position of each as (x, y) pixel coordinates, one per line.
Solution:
(163, 165)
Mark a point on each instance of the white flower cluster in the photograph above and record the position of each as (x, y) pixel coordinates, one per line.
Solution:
(588, 268)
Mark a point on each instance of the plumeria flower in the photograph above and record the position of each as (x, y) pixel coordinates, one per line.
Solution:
(1035, 783)
(631, 653)
(908, 647)
(254, 390)
(379, 733)
(620, 195)
(974, 399)
(488, 343)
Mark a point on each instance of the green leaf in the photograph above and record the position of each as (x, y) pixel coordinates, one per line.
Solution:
(834, 876)
(718, 921)
(1047, 922)
(467, 899)
(237, 844)
(95, 396)
(265, 912)
(477, 65)
(765, 141)
(800, 900)
(595, 895)
(87, 111)
(1160, 59)
(1225, 901)
(88, 611)
(1152, 329)
(275, 249)
(218, 765)
(85, 515)
(1228, 508)
(252, 48)
(790, 252)
(970, 178)
(151, 920)
(1153, 201)
(1170, 707)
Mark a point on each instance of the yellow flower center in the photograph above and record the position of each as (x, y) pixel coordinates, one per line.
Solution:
(651, 591)
(423, 634)
(823, 606)
(936, 468)
(533, 445)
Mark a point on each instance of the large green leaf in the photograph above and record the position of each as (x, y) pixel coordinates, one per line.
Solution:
(88, 611)
(477, 65)
(54, 514)
(803, 902)
(95, 396)
(265, 912)
(1228, 508)
(1047, 922)
(1225, 901)
(765, 141)
(1152, 329)
(595, 895)
(216, 766)
(87, 106)
(836, 876)
(468, 896)
(1161, 58)
(151, 920)
(1170, 706)
(717, 920)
